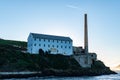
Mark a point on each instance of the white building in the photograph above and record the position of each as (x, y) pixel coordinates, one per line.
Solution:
(54, 44)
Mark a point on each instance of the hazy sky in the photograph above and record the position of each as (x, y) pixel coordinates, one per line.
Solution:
(66, 18)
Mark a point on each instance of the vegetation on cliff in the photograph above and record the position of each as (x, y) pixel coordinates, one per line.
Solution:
(14, 58)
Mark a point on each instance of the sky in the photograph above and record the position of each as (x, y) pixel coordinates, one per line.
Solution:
(66, 18)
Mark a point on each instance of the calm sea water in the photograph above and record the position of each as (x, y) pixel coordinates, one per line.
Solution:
(103, 77)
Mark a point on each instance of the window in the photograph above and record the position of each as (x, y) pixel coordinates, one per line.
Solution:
(44, 45)
(34, 44)
(61, 46)
(35, 39)
(53, 40)
(65, 42)
(48, 40)
(91, 55)
(65, 46)
(57, 41)
(69, 47)
(39, 39)
(48, 45)
(52, 45)
(86, 62)
(44, 40)
(39, 44)
(57, 46)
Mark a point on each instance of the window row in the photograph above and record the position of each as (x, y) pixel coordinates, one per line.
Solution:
(53, 46)
(52, 40)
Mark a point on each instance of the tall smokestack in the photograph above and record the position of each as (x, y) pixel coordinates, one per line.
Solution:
(85, 34)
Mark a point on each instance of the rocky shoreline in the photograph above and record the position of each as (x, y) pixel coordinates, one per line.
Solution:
(57, 73)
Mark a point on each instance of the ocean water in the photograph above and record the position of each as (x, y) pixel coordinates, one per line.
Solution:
(102, 77)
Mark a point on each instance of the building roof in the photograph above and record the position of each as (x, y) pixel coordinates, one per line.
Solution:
(53, 37)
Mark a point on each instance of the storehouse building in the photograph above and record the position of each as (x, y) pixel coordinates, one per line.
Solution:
(53, 44)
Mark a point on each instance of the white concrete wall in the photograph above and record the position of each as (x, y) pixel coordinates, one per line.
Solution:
(56, 46)
(30, 44)
(85, 60)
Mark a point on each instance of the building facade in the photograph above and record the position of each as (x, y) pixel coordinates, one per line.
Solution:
(85, 60)
(53, 44)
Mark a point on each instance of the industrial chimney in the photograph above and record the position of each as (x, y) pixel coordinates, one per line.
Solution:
(85, 34)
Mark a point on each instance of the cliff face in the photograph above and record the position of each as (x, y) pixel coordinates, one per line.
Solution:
(12, 59)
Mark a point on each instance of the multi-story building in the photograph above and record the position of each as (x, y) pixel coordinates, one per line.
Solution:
(53, 44)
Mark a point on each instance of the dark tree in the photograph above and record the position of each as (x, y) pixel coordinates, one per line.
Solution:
(41, 52)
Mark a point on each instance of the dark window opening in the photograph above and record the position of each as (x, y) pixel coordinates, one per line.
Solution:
(48, 40)
(69, 47)
(44, 40)
(44, 45)
(65, 46)
(39, 44)
(39, 39)
(52, 45)
(48, 45)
